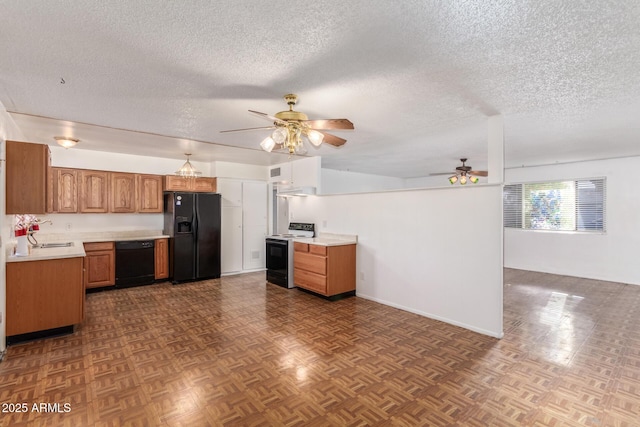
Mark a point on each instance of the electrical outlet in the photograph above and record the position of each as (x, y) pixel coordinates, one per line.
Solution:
(324, 223)
(1, 317)
(362, 276)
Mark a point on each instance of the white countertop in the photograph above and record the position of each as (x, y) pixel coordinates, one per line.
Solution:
(41, 254)
(77, 250)
(329, 239)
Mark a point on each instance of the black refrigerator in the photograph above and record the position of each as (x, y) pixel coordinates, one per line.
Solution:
(192, 221)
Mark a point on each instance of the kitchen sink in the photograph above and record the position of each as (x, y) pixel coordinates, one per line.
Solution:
(54, 245)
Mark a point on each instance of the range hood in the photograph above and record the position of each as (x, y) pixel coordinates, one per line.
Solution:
(296, 191)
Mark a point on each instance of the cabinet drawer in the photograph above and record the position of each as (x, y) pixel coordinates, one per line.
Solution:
(98, 246)
(300, 247)
(309, 262)
(313, 282)
(318, 250)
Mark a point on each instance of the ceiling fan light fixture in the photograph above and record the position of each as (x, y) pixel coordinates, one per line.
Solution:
(66, 141)
(473, 179)
(453, 179)
(280, 135)
(267, 144)
(463, 180)
(315, 137)
(187, 170)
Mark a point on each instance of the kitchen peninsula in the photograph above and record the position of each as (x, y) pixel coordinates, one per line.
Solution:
(326, 264)
(46, 288)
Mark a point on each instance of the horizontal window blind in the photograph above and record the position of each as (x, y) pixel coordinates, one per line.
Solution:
(577, 205)
(512, 205)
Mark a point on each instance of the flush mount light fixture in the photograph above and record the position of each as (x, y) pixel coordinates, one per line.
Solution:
(65, 141)
(187, 170)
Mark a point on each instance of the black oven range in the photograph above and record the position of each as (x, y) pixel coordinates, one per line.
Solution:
(280, 253)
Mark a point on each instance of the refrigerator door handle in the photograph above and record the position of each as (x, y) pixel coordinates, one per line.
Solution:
(195, 238)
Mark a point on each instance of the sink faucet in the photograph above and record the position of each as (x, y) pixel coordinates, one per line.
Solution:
(30, 233)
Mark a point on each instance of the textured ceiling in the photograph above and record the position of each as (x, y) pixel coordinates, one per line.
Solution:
(417, 78)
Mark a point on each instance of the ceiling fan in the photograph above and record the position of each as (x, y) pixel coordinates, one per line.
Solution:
(464, 173)
(291, 125)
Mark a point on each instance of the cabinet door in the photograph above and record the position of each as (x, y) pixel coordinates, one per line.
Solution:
(231, 192)
(231, 253)
(93, 189)
(161, 258)
(43, 295)
(254, 222)
(66, 188)
(28, 167)
(149, 193)
(99, 269)
(122, 192)
(176, 183)
(205, 185)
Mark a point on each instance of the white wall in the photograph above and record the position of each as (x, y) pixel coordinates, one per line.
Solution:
(609, 256)
(435, 252)
(239, 170)
(304, 172)
(101, 160)
(341, 182)
(434, 181)
(8, 131)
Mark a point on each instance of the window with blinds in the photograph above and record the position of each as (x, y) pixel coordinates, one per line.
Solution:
(577, 205)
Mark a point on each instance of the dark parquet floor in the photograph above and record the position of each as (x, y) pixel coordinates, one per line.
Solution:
(238, 351)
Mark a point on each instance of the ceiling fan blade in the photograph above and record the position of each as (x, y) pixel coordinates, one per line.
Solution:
(247, 129)
(442, 173)
(332, 139)
(478, 173)
(268, 117)
(329, 124)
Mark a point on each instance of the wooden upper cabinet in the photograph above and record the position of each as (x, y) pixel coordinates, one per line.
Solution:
(176, 183)
(122, 192)
(65, 185)
(179, 183)
(93, 191)
(205, 185)
(27, 179)
(149, 193)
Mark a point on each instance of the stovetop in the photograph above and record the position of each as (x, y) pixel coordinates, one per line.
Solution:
(296, 229)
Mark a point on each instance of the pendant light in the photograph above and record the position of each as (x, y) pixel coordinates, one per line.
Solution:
(187, 170)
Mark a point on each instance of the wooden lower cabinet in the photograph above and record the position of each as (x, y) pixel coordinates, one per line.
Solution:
(99, 264)
(44, 295)
(162, 258)
(326, 270)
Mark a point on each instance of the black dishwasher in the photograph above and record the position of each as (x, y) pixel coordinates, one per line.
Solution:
(135, 263)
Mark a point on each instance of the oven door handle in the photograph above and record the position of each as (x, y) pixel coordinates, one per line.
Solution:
(277, 242)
